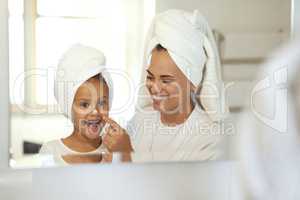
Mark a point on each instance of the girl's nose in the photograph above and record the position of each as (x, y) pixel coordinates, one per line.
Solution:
(95, 111)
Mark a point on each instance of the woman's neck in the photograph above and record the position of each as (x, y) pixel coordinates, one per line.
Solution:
(178, 117)
(78, 142)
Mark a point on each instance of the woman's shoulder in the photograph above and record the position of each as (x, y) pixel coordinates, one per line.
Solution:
(144, 113)
(141, 119)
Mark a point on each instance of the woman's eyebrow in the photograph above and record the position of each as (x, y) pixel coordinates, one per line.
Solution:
(83, 99)
(167, 76)
(161, 76)
(149, 72)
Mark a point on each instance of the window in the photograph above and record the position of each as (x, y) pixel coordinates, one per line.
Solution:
(48, 28)
(16, 51)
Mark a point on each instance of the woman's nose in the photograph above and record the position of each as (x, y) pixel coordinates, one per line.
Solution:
(155, 88)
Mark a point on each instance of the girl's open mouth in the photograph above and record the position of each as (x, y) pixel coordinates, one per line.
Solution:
(94, 127)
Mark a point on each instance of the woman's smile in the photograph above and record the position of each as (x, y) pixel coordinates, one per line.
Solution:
(159, 97)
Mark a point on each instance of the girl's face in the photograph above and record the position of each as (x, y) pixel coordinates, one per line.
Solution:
(168, 86)
(90, 104)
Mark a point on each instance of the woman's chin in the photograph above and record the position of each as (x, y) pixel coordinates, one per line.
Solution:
(162, 107)
(157, 105)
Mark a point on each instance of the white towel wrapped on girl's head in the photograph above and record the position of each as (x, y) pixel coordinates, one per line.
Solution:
(76, 66)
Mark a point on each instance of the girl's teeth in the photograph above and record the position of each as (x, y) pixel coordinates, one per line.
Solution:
(93, 129)
(93, 122)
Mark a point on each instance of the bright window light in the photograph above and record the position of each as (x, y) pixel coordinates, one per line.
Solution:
(16, 51)
(80, 8)
(116, 27)
(55, 35)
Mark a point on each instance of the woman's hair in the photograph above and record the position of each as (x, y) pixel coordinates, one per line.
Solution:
(159, 47)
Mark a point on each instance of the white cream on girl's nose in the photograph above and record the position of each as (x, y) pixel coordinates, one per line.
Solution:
(95, 110)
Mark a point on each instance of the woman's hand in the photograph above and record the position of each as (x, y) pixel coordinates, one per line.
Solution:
(116, 139)
(107, 157)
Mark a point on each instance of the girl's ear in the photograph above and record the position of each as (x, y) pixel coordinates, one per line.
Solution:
(72, 116)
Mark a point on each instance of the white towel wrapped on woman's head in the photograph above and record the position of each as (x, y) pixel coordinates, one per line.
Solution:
(77, 65)
(190, 43)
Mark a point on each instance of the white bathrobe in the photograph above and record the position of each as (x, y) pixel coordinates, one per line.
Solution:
(197, 139)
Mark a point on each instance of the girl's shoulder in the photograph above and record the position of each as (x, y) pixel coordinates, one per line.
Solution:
(50, 147)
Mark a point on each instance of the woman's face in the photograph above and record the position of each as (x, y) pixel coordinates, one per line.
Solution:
(168, 86)
(90, 104)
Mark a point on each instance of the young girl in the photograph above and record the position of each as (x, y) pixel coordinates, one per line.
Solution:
(83, 91)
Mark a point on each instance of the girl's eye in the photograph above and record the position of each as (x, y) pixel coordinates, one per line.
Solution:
(84, 104)
(102, 103)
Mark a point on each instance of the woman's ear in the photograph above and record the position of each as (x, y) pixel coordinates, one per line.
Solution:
(193, 93)
(195, 96)
(193, 88)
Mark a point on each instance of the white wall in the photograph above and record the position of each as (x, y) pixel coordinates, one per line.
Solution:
(252, 29)
(36, 128)
(296, 18)
(4, 106)
(237, 16)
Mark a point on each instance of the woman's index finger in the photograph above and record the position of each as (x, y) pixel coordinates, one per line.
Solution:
(110, 121)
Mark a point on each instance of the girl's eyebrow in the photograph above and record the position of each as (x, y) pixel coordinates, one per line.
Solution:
(85, 99)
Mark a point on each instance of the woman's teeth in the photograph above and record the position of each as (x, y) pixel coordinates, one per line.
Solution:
(159, 97)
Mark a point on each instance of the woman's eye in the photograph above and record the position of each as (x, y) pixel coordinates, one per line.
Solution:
(150, 78)
(84, 104)
(167, 81)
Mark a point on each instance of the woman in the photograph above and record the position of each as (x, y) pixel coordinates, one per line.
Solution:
(182, 104)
